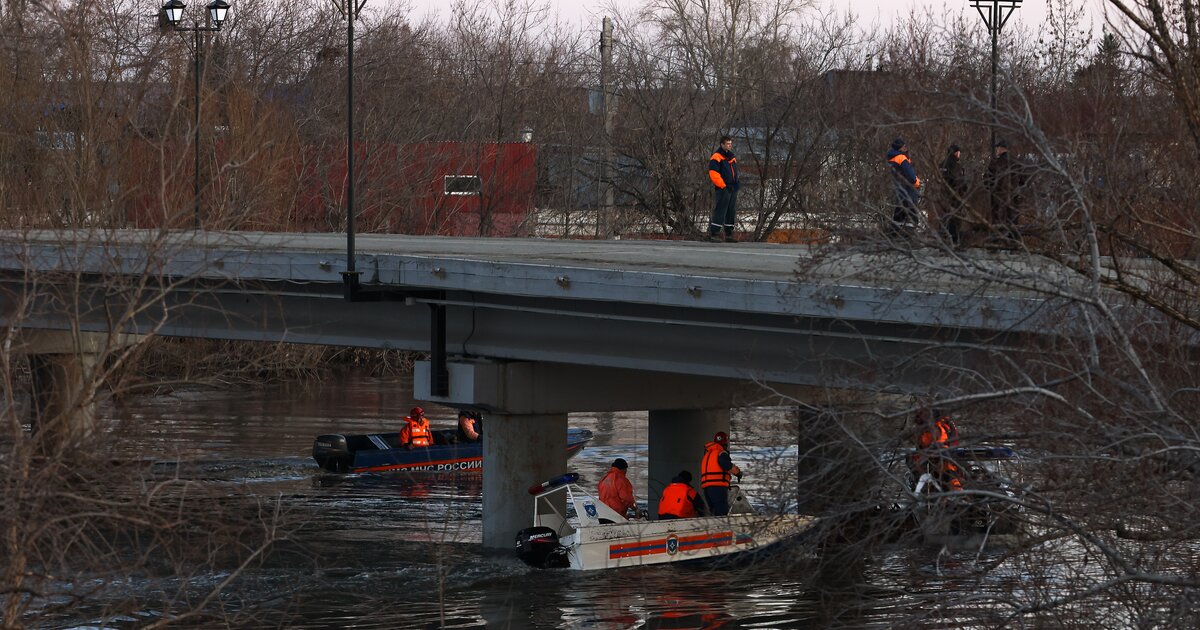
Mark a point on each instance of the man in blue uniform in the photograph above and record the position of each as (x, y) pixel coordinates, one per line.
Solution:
(907, 188)
(723, 171)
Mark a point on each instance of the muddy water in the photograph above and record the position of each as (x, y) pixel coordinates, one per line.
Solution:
(402, 550)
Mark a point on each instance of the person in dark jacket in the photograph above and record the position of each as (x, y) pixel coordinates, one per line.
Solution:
(469, 425)
(723, 171)
(954, 200)
(907, 187)
(1003, 182)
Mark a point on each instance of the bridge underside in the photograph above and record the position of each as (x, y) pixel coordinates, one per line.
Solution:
(765, 349)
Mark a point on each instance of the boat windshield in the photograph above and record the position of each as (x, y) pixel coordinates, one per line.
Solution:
(579, 509)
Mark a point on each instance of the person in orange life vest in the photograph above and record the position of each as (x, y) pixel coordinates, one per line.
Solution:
(935, 437)
(723, 171)
(715, 471)
(416, 431)
(615, 490)
(469, 425)
(940, 433)
(679, 499)
(907, 187)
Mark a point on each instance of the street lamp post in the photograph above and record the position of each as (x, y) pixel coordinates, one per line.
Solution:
(350, 10)
(995, 14)
(172, 15)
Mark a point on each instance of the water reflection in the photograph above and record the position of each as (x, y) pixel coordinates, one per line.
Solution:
(401, 550)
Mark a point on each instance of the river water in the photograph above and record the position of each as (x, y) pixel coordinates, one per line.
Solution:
(402, 550)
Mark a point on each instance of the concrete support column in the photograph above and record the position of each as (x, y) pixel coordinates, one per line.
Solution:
(62, 369)
(518, 451)
(677, 439)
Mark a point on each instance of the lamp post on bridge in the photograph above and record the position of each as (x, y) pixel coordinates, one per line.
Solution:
(995, 14)
(350, 10)
(172, 14)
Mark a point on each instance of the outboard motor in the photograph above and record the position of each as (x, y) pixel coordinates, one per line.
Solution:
(332, 453)
(538, 547)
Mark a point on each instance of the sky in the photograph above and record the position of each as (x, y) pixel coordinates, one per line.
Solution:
(881, 12)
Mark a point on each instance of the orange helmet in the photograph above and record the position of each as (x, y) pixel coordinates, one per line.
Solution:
(416, 411)
(721, 438)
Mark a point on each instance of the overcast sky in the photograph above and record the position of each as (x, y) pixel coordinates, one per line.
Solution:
(883, 12)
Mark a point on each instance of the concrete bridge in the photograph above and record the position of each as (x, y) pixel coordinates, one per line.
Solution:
(530, 330)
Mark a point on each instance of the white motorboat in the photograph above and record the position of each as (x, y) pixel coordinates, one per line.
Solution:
(590, 535)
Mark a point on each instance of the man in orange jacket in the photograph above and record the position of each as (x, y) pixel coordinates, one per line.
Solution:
(716, 469)
(940, 433)
(416, 431)
(469, 425)
(615, 490)
(933, 455)
(679, 499)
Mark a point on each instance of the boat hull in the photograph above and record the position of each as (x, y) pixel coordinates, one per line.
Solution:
(640, 543)
(377, 452)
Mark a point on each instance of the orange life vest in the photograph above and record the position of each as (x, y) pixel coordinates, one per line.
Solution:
(943, 434)
(710, 467)
(416, 432)
(950, 474)
(899, 160)
(677, 501)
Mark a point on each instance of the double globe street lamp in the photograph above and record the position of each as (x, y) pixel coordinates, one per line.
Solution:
(995, 14)
(171, 15)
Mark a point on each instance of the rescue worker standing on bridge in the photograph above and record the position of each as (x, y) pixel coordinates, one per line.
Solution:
(615, 490)
(679, 499)
(723, 171)
(907, 188)
(1004, 182)
(416, 431)
(954, 195)
(715, 471)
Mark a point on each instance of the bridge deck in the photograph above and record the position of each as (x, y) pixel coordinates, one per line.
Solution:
(928, 289)
(776, 313)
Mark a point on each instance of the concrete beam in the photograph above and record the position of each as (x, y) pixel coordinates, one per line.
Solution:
(69, 342)
(748, 347)
(520, 450)
(677, 439)
(550, 388)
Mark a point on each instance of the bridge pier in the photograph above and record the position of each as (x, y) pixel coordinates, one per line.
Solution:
(528, 402)
(520, 450)
(62, 400)
(677, 439)
(62, 365)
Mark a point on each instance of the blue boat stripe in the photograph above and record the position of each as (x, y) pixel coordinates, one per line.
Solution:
(706, 541)
(612, 552)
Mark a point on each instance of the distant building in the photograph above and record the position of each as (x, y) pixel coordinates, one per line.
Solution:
(444, 188)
